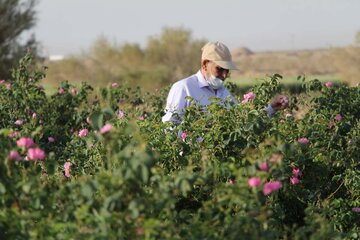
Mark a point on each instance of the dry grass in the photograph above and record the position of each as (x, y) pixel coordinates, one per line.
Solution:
(343, 62)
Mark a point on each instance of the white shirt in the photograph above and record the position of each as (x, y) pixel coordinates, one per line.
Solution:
(198, 88)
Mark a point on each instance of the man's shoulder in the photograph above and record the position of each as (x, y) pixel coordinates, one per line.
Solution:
(186, 82)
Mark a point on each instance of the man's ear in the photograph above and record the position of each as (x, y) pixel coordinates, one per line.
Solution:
(204, 64)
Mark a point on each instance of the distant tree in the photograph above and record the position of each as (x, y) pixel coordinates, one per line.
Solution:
(177, 51)
(172, 55)
(16, 16)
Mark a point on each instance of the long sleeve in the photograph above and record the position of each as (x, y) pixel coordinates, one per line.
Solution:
(175, 103)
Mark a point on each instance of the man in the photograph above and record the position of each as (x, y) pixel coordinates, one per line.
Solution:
(216, 63)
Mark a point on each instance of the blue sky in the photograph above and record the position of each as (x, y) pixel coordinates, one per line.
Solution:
(71, 26)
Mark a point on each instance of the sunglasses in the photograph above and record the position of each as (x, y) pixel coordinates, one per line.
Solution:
(220, 69)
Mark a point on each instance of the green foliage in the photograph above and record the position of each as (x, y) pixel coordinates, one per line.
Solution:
(144, 179)
(16, 16)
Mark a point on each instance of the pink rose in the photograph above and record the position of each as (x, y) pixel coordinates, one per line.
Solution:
(35, 154)
(61, 91)
(74, 91)
(14, 155)
(2, 81)
(269, 187)
(19, 122)
(328, 84)
(120, 114)
(33, 115)
(184, 135)
(8, 86)
(51, 139)
(106, 128)
(67, 166)
(264, 166)
(248, 96)
(254, 182)
(356, 209)
(294, 180)
(114, 85)
(83, 132)
(25, 142)
(303, 141)
(338, 117)
(296, 172)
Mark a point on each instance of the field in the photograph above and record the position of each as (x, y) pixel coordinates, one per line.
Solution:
(79, 163)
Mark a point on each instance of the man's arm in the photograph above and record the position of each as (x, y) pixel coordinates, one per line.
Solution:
(175, 104)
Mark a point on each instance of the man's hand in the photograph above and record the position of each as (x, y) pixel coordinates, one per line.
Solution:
(279, 102)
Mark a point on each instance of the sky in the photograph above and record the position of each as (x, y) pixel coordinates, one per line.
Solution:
(69, 27)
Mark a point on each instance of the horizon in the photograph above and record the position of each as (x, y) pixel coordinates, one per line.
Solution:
(275, 26)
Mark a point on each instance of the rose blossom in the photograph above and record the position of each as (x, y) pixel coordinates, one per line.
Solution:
(254, 182)
(14, 155)
(67, 166)
(25, 142)
(184, 135)
(296, 172)
(338, 117)
(269, 187)
(264, 166)
(33, 115)
(51, 139)
(35, 154)
(120, 114)
(19, 122)
(303, 141)
(74, 91)
(114, 85)
(248, 96)
(328, 84)
(294, 180)
(106, 128)
(83, 132)
(61, 91)
(356, 209)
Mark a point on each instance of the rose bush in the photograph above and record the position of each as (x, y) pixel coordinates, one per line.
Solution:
(113, 170)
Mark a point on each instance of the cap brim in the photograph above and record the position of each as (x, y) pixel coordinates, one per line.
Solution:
(227, 65)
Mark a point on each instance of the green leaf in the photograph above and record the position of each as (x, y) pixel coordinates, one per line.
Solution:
(2, 189)
(97, 119)
(26, 187)
(185, 187)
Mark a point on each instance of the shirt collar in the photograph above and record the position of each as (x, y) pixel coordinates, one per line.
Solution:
(201, 80)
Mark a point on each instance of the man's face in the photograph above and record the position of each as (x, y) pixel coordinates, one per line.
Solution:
(217, 71)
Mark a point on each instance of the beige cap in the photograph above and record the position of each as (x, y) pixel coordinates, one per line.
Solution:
(218, 53)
